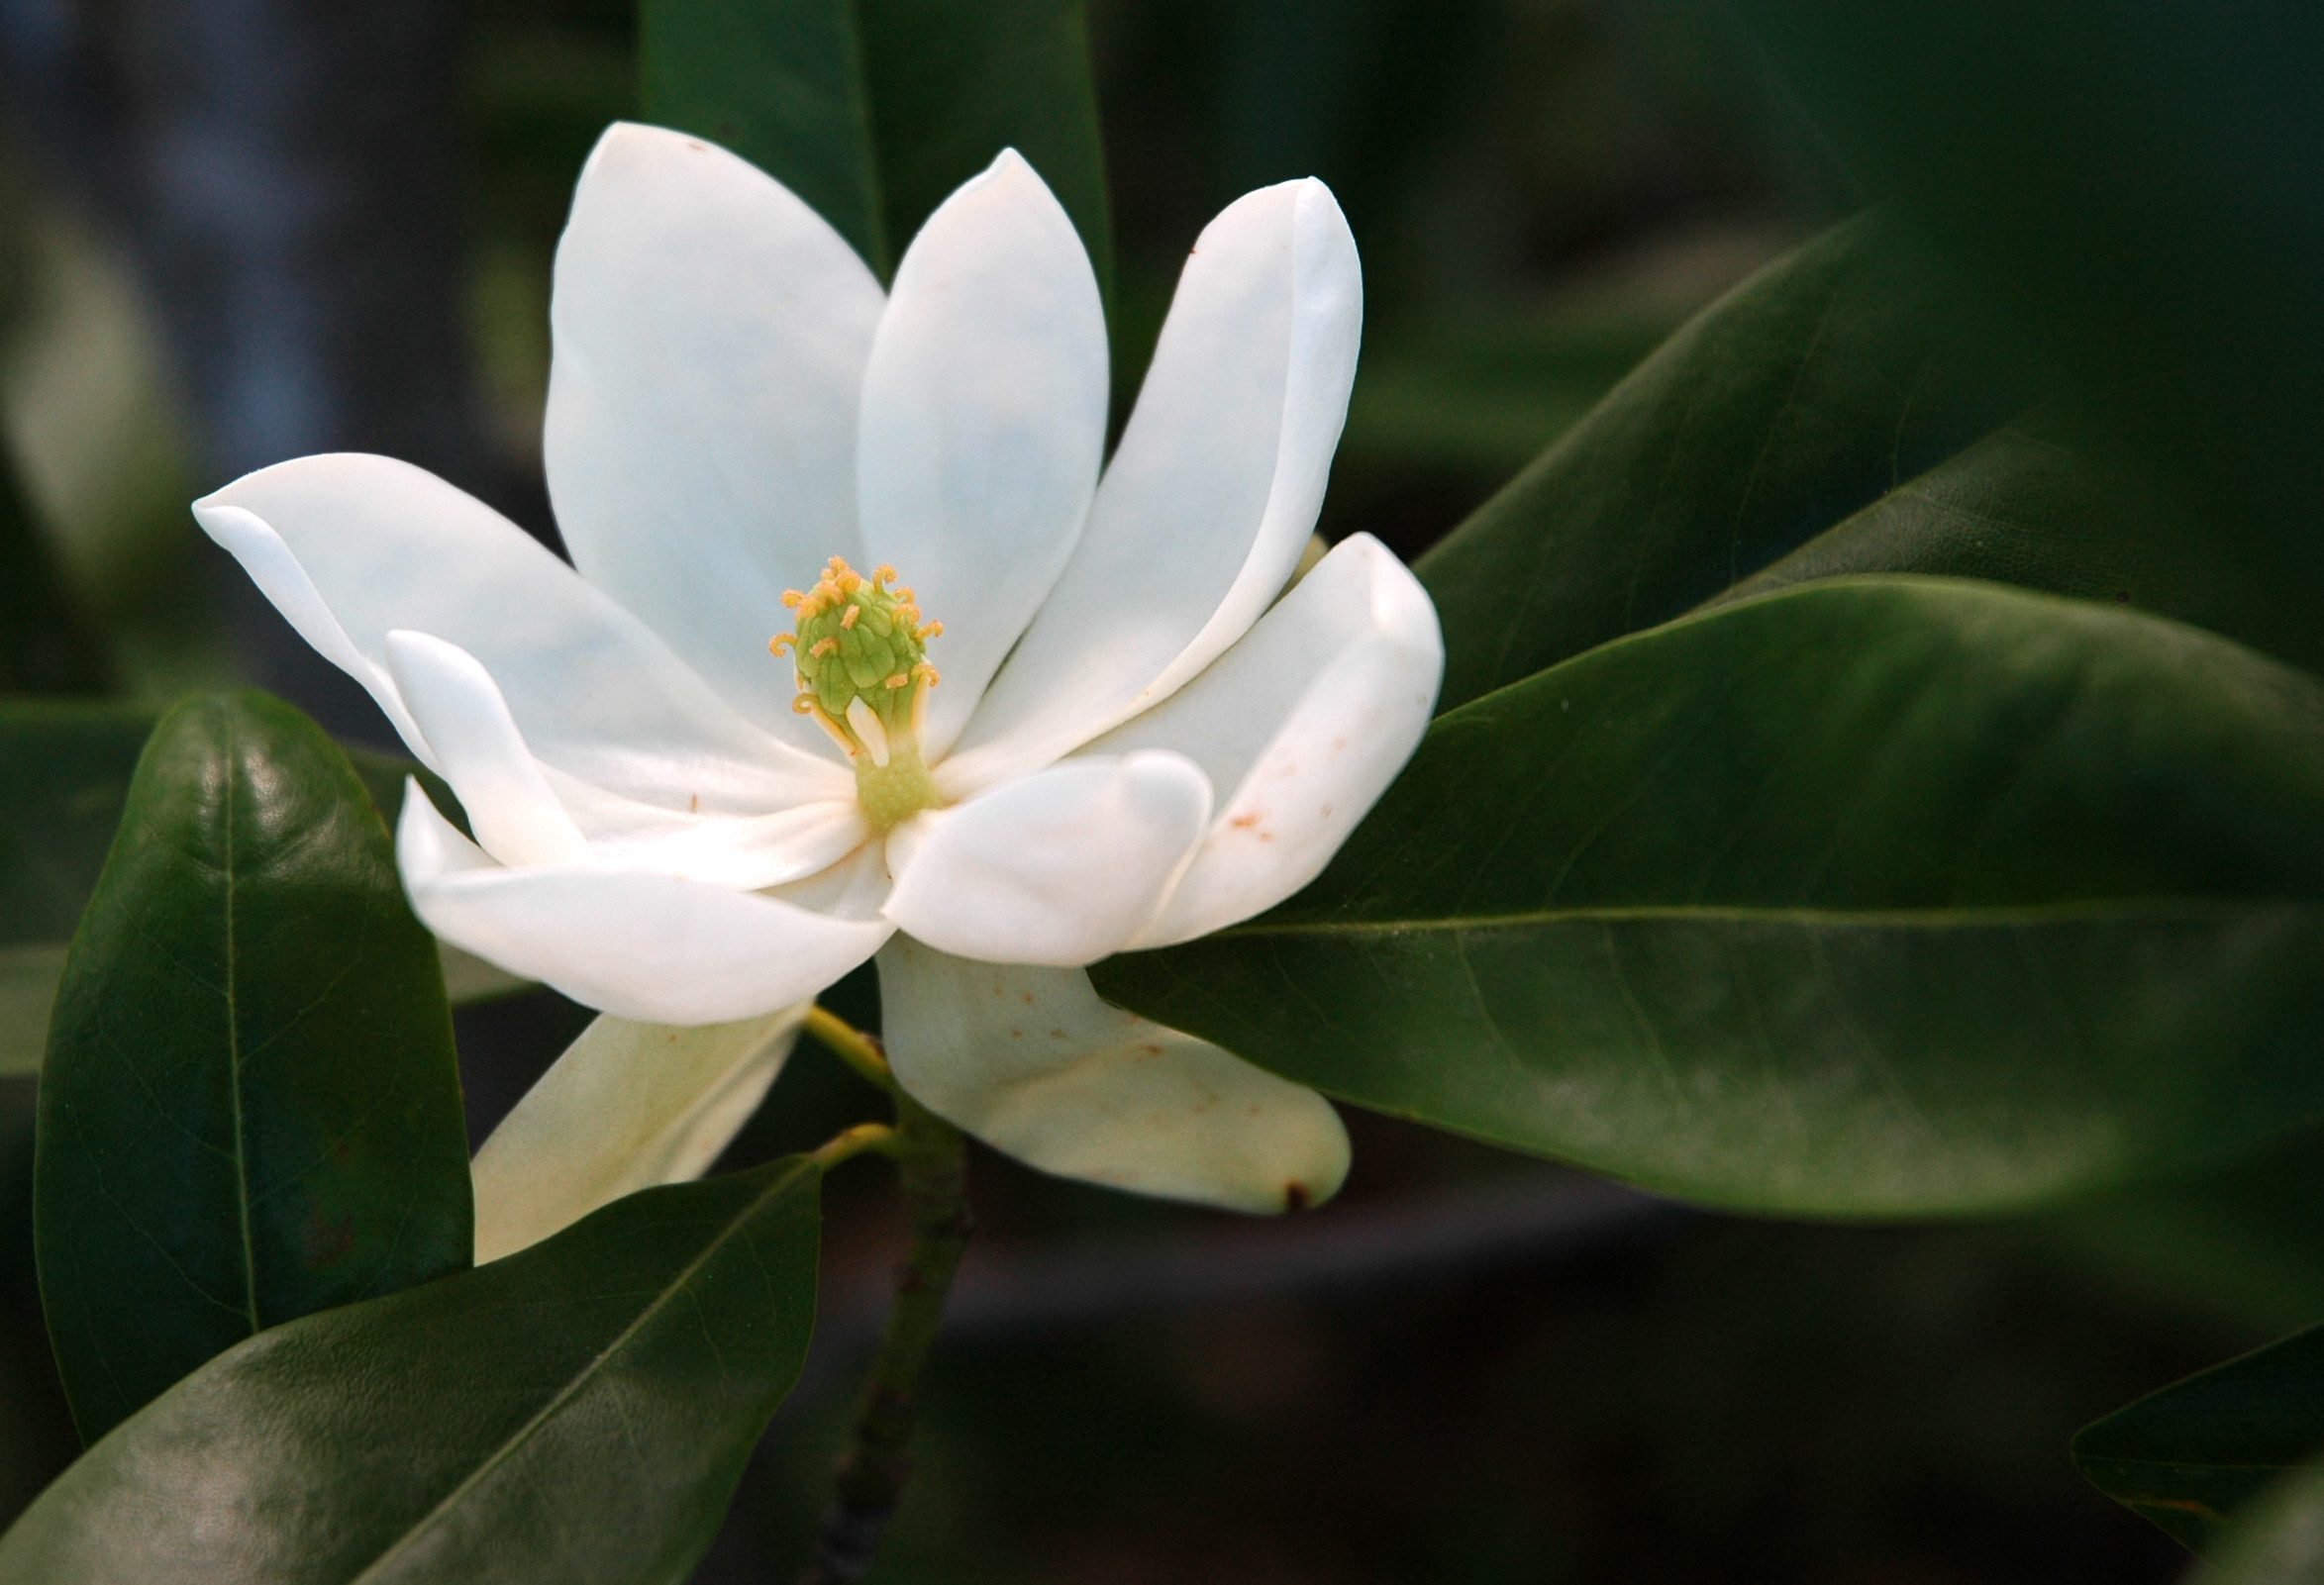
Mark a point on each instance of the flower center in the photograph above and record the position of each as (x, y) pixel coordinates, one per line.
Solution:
(860, 649)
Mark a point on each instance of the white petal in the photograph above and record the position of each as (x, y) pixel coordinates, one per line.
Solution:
(350, 547)
(524, 814)
(1032, 1063)
(1209, 498)
(1059, 867)
(983, 422)
(626, 1106)
(1307, 720)
(474, 743)
(652, 948)
(710, 333)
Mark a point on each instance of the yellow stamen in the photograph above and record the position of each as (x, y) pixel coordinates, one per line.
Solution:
(858, 647)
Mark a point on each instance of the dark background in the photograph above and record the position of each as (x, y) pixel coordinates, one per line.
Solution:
(247, 230)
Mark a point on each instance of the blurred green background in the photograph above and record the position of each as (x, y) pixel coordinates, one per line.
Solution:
(283, 226)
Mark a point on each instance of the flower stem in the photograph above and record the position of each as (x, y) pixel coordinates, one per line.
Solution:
(858, 1049)
(874, 1136)
(932, 1163)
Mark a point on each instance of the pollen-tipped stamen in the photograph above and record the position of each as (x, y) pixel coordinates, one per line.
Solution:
(860, 649)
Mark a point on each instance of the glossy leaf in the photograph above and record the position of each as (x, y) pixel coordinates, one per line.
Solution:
(2137, 189)
(874, 110)
(2190, 1455)
(64, 773)
(579, 1413)
(1826, 418)
(249, 1109)
(2028, 505)
(1874, 897)
(1822, 383)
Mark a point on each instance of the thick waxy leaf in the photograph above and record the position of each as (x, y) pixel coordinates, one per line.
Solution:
(249, 1107)
(577, 1413)
(874, 110)
(2026, 505)
(1806, 393)
(64, 773)
(1824, 419)
(1879, 897)
(2193, 1453)
(2138, 188)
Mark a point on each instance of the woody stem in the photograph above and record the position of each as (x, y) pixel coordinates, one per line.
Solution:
(932, 1163)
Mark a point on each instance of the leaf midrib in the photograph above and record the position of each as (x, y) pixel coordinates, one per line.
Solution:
(516, 1439)
(234, 1051)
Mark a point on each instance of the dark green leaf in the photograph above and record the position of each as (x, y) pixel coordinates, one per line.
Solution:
(64, 771)
(579, 1413)
(2240, 1250)
(874, 110)
(2138, 189)
(1876, 897)
(2190, 1455)
(46, 644)
(1803, 395)
(249, 1107)
(2026, 505)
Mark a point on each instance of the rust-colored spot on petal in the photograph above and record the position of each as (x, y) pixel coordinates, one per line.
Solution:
(1295, 1196)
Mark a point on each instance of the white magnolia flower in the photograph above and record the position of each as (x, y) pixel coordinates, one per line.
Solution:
(1119, 738)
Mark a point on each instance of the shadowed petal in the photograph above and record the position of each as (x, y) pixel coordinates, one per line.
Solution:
(628, 1106)
(1032, 1063)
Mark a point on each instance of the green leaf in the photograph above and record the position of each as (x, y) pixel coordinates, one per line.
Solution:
(579, 1413)
(872, 110)
(249, 1109)
(64, 772)
(2136, 189)
(1823, 419)
(2235, 1250)
(1806, 393)
(46, 645)
(1874, 897)
(2192, 1454)
(2027, 505)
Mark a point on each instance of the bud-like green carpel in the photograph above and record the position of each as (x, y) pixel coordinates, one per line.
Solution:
(860, 649)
